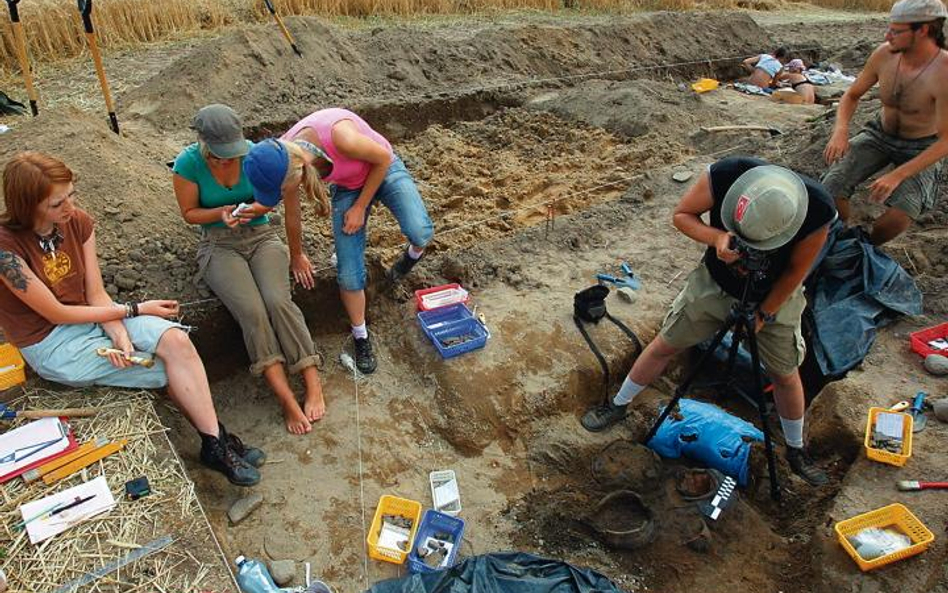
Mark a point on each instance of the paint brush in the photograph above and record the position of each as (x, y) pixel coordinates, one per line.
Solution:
(913, 486)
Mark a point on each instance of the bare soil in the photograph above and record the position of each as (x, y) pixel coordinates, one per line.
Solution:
(544, 150)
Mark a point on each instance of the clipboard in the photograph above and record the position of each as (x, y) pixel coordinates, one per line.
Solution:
(40, 457)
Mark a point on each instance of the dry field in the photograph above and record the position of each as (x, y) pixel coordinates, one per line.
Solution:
(53, 28)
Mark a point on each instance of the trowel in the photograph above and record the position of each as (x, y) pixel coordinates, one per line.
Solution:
(919, 419)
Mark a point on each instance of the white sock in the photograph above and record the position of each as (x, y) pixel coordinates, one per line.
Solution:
(627, 392)
(792, 432)
(360, 331)
(415, 252)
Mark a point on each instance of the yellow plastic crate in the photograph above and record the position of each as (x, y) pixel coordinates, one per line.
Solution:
(894, 515)
(11, 360)
(882, 456)
(392, 505)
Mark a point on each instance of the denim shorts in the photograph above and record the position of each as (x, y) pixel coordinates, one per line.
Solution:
(873, 149)
(399, 194)
(702, 307)
(68, 355)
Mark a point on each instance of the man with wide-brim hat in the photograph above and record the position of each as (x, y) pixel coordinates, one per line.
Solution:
(911, 131)
(784, 217)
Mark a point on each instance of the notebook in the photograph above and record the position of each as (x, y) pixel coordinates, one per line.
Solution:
(32, 445)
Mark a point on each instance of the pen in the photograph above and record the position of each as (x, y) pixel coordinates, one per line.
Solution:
(23, 523)
(72, 504)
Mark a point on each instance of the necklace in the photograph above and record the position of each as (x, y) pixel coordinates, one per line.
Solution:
(897, 95)
(50, 242)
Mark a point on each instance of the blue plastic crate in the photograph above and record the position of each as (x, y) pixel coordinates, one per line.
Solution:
(436, 523)
(452, 321)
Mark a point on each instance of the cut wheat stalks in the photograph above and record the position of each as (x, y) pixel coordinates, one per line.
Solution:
(191, 563)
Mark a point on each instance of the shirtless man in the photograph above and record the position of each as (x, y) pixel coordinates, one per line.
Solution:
(911, 68)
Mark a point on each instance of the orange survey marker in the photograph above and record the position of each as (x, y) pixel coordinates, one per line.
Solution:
(38, 472)
(83, 462)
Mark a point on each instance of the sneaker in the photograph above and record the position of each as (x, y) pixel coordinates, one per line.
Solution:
(603, 416)
(252, 455)
(365, 359)
(401, 267)
(803, 466)
(217, 454)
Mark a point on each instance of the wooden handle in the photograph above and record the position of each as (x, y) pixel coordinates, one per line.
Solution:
(84, 461)
(24, 61)
(56, 413)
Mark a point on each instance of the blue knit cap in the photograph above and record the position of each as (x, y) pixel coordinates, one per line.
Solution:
(265, 167)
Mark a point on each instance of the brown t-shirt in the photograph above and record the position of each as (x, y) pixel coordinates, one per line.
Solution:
(63, 272)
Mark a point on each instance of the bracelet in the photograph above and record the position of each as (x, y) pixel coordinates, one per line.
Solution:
(131, 310)
(135, 312)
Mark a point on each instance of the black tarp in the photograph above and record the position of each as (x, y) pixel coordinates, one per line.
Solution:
(508, 572)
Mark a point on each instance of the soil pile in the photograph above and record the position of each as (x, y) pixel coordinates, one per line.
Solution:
(255, 71)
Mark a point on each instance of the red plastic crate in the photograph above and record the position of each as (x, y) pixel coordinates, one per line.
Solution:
(920, 339)
(419, 296)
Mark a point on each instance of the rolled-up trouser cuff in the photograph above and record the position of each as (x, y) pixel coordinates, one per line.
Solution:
(307, 361)
(257, 368)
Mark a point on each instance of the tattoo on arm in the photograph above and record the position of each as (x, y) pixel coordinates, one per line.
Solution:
(12, 269)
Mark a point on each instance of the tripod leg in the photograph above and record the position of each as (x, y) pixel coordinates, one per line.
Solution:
(751, 337)
(686, 384)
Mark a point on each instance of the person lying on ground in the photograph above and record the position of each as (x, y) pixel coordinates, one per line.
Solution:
(246, 264)
(54, 308)
(798, 81)
(764, 68)
(339, 147)
(774, 211)
(911, 133)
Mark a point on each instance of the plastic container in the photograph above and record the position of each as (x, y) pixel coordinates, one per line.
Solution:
(253, 577)
(438, 480)
(440, 296)
(703, 85)
(881, 455)
(894, 515)
(919, 340)
(392, 505)
(454, 321)
(12, 367)
(436, 523)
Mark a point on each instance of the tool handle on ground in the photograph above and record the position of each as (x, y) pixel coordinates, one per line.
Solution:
(934, 485)
(83, 462)
(918, 404)
(56, 413)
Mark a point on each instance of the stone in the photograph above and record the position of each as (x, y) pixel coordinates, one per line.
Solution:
(681, 176)
(241, 509)
(126, 281)
(626, 294)
(940, 408)
(282, 571)
(936, 364)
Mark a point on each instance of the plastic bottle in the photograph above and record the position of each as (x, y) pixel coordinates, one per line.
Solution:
(253, 577)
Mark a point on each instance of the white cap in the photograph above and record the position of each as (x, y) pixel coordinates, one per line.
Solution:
(239, 560)
(917, 11)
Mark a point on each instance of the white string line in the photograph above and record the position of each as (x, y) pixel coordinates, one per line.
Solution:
(363, 536)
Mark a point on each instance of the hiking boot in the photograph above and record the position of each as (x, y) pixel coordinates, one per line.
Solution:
(401, 267)
(803, 466)
(365, 359)
(603, 416)
(218, 454)
(252, 455)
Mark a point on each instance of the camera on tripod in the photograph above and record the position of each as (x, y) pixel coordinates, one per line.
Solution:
(752, 261)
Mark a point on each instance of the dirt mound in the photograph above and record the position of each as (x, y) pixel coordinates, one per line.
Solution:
(254, 70)
(144, 246)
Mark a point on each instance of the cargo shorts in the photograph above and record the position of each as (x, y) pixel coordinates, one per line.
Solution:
(873, 149)
(702, 307)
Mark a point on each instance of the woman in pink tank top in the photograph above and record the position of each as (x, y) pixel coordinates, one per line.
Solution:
(341, 149)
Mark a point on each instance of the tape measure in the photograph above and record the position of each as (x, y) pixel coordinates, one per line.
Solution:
(147, 549)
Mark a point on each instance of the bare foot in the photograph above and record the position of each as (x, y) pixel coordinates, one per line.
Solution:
(296, 422)
(314, 405)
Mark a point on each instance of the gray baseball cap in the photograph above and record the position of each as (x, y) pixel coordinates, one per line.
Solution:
(218, 126)
(917, 11)
(765, 206)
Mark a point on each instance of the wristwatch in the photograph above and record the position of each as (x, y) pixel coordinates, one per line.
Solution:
(766, 317)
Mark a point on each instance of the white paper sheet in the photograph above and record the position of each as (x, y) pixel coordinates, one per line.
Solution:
(889, 425)
(46, 527)
(19, 441)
